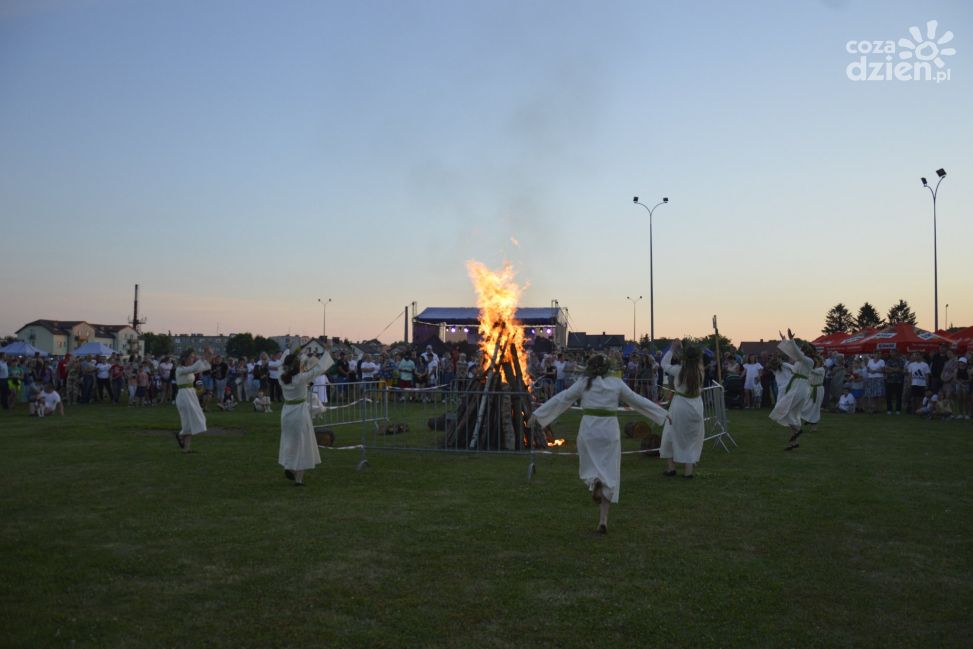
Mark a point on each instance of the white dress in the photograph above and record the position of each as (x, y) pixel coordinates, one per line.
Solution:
(682, 437)
(752, 373)
(599, 439)
(298, 446)
(187, 403)
(812, 411)
(791, 403)
(320, 388)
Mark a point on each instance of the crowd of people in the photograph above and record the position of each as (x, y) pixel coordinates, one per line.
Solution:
(934, 385)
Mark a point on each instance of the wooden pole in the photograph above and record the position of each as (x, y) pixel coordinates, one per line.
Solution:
(719, 361)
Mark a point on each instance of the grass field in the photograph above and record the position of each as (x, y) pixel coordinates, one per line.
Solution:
(112, 538)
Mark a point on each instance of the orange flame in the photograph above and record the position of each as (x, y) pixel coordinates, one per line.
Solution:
(557, 442)
(496, 296)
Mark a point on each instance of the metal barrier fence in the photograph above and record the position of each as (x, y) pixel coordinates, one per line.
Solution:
(371, 416)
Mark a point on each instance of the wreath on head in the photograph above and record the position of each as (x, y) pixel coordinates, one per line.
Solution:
(598, 365)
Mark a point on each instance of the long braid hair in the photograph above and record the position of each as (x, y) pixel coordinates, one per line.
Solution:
(691, 374)
(598, 365)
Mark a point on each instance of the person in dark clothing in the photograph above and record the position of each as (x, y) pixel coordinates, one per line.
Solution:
(936, 364)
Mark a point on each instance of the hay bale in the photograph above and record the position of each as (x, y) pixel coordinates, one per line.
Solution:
(637, 429)
(324, 436)
(650, 444)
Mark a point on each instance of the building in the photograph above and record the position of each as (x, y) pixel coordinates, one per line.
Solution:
(581, 341)
(460, 324)
(198, 342)
(60, 337)
(757, 348)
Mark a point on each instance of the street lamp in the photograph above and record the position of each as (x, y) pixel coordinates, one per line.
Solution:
(324, 318)
(634, 302)
(935, 261)
(665, 200)
(946, 318)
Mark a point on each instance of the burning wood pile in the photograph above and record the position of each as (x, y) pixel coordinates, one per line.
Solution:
(494, 414)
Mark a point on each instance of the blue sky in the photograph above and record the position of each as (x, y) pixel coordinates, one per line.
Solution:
(240, 160)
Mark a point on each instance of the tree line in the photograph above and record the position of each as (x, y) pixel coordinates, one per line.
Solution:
(237, 345)
(840, 320)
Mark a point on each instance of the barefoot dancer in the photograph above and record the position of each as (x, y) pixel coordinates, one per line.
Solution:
(187, 402)
(682, 436)
(791, 403)
(298, 445)
(599, 443)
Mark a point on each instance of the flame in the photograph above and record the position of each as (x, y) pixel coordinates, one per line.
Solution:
(557, 442)
(496, 296)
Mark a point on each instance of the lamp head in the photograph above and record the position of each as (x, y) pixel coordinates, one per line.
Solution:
(924, 183)
(665, 199)
(941, 173)
(635, 199)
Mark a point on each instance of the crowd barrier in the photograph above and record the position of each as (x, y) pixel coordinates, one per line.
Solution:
(372, 417)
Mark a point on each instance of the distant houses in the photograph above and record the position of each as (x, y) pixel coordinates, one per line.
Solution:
(60, 337)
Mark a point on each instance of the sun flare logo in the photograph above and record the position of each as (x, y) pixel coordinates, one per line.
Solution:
(920, 58)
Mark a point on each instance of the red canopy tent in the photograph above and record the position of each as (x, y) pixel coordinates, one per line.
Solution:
(827, 342)
(852, 344)
(906, 338)
(963, 339)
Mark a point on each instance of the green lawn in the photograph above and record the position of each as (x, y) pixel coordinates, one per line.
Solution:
(112, 538)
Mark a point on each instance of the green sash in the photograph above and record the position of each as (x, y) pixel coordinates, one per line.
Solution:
(791, 382)
(599, 412)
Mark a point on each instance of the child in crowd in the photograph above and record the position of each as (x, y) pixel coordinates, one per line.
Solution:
(846, 402)
(229, 401)
(928, 406)
(944, 405)
(857, 379)
(261, 403)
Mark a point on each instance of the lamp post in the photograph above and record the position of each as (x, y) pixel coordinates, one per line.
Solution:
(665, 200)
(946, 318)
(935, 262)
(324, 318)
(634, 302)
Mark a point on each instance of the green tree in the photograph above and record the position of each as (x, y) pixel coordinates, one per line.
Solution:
(239, 345)
(268, 345)
(901, 313)
(868, 317)
(157, 344)
(838, 320)
(709, 342)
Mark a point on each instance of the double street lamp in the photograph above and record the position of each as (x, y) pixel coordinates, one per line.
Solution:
(324, 318)
(634, 302)
(650, 210)
(935, 262)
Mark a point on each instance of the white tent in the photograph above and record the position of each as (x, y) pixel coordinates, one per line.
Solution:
(93, 349)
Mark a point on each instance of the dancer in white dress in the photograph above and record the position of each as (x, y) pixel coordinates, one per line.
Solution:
(812, 411)
(682, 436)
(599, 442)
(790, 404)
(187, 402)
(298, 445)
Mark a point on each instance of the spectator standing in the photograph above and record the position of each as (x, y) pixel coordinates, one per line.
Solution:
(752, 388)
(963, 402)
(103, 376)
(219, 371)
(87, 379)
(838, 374)
(117, 375)
(165, 373)
(4, 383)
(874, 383)
(919, 374)
(273, 374)
(936, 364)
(894, 381)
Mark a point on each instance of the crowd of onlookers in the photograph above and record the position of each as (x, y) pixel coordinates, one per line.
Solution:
(937, 385)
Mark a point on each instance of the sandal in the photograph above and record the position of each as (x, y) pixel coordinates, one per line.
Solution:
(602, 529)
(669, 474)
(179, 440)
